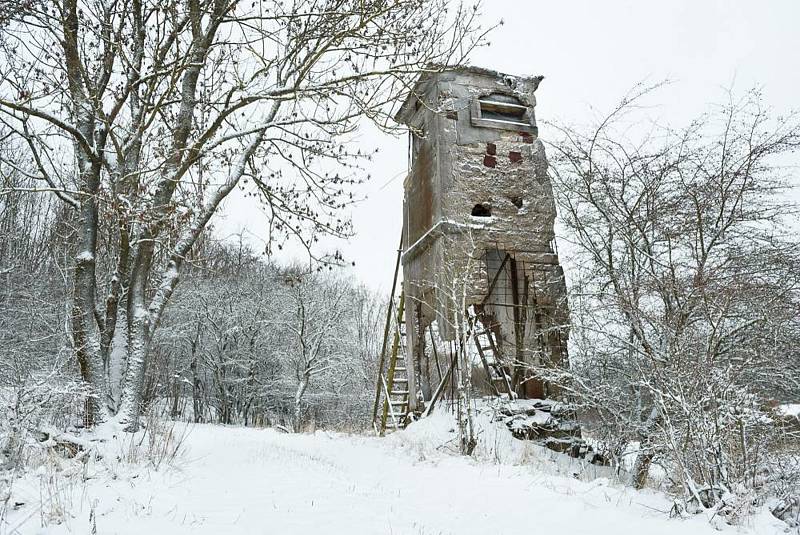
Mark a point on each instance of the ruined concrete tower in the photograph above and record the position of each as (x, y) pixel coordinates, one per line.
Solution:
(478, 245)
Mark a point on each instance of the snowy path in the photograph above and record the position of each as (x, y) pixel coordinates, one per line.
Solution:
(236, 480)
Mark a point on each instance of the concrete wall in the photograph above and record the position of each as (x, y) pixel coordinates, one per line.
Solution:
(462, 158)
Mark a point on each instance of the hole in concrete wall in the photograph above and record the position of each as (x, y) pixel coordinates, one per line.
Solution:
(516, 201)
(482, 210)
(515, 156)
(489, 160)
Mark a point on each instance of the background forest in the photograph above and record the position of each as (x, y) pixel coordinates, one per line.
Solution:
(246, 342)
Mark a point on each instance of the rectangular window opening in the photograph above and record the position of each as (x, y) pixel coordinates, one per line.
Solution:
(500, 111)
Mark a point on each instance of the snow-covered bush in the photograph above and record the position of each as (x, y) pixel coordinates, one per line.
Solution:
(159, 443)
(36, 407)
(685, 296)
(39, 404)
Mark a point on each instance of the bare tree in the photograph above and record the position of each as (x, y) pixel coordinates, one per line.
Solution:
(229, 351)
(142, 117)
(687, 287)
(313, 326)
(38, 386)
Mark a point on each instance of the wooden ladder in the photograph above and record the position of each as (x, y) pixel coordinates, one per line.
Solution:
(392, 385)
(491, 358)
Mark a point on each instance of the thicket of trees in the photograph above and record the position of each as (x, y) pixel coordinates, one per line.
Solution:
(686, 294)
(246, 342)
(249, 343)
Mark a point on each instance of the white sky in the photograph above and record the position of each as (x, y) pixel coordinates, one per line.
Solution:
(591, 53)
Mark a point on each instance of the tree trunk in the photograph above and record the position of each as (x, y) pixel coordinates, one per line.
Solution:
(138, 352)
(298, 399)
(85, 332)
(641, 468)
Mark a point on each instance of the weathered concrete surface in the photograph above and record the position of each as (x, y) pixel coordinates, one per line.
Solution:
(475, 150)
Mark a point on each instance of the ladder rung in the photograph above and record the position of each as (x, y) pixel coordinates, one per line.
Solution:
(399, 392)
(399, 403)
(399, 380)
(399, 370)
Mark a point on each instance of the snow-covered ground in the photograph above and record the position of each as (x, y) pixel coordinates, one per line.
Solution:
(260, 481)
(790, 409)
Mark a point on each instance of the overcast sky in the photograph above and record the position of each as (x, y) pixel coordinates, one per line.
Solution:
(591, 53)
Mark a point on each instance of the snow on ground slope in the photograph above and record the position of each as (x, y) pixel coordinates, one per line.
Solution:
(259, 481)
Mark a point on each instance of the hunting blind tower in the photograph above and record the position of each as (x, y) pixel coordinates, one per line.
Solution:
(478, 253)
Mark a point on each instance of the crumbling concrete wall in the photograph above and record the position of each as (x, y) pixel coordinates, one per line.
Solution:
(478, 191)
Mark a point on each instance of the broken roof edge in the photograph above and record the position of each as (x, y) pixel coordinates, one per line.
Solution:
(434, 70)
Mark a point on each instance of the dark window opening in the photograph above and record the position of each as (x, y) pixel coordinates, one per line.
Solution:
(516, 201)
(506, 112)
(502, 108)
(481, 210)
